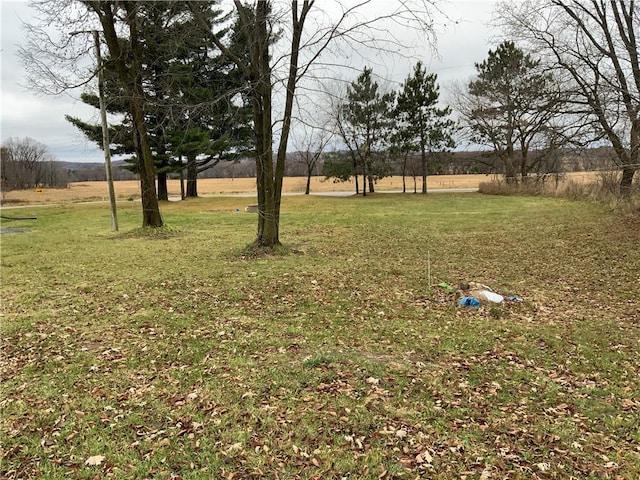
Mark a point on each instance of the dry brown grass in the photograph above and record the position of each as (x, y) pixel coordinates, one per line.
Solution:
(601, 187)
(215, 186)
(83, 191)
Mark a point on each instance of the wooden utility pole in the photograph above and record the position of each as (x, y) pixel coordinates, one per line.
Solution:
(105, 133)
(105, 126)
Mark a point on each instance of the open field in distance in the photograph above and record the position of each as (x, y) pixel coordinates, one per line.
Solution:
(221, 186)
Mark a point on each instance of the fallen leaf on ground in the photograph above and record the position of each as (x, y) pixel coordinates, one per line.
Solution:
(95, 460)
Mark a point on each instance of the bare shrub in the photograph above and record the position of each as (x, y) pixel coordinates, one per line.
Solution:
(490, 188)
(605, 190)
(501, 187)
(573, 190)
(609, 183)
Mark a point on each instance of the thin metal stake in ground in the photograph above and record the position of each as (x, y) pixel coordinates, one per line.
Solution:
(429, 269)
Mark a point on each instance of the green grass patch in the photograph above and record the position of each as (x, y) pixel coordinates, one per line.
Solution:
(185, 353)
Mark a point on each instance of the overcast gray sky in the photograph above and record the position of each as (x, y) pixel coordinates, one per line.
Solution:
(27, 114)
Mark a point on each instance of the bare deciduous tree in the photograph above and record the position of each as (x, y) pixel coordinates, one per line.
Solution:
(26, 163)
(310, 142)
(595, 43)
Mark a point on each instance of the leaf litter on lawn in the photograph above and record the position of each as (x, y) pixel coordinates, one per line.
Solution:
(331, 362)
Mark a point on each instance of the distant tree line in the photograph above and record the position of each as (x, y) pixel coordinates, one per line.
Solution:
(96, 173)
(448, 163)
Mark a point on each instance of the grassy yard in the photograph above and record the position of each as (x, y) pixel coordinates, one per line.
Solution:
(181, 355)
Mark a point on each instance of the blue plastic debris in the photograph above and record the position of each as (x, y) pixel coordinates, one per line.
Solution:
(513, 298)
(469, 302)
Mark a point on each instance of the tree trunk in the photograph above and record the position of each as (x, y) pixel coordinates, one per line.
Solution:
(364, 181)
(268, 215)
(629, 160)
(627, 181)
(182, 192)
(365, 174)
(192, 177)
(423, 163)
(404, 177)
(524, 168)
(131, 80)
(150, 209)
(509, 167)
(307, 190)
(372, 188)
(163, 190)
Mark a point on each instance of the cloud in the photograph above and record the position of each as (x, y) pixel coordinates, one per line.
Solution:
(27, 114)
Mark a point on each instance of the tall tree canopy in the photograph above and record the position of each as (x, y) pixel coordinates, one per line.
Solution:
(365, 124)
(421, 126)
(189, 90)
(512, 106)
(127, 58)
